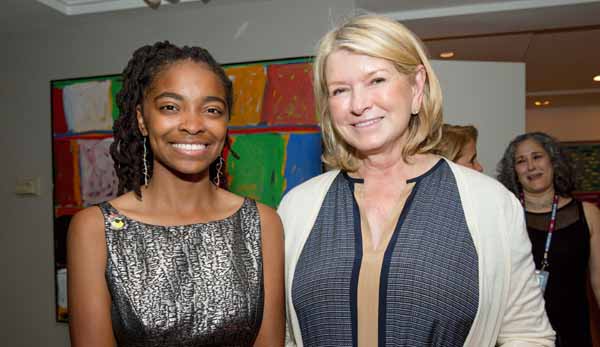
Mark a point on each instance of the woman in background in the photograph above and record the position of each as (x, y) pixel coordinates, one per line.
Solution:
(174, 260)
(459, 144)
(566, 247)
(398, 246)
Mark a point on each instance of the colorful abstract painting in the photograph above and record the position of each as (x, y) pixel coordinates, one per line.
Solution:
(273, 128)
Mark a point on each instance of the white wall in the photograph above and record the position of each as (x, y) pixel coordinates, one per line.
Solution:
(566, 123)
(93, 45)
(488, 95)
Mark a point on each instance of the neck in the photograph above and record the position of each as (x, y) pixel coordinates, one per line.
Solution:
(169, 191)
(386, 167)
(539, 200)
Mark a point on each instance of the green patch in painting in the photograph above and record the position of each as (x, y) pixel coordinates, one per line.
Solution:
(258, 173)
(115, 87)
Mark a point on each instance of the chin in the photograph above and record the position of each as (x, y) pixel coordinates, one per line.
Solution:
(188, 172)
(366, 147)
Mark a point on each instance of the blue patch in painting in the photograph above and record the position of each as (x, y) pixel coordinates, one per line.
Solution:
(303, 158)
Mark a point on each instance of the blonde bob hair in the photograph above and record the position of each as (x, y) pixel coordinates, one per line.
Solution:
(380, 37)
(454, 140)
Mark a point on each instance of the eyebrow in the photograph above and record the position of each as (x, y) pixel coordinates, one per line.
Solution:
(168, 95)
(214, 98)
(529, 153)
(181, 98)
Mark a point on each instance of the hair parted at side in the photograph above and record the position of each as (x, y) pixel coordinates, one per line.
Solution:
(138, 77)
(564, 180)
(454, 140)
(380, 37)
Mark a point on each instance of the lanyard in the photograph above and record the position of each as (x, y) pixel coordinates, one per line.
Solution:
(551, 226)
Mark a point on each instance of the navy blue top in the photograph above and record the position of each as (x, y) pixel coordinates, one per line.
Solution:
(429, 287)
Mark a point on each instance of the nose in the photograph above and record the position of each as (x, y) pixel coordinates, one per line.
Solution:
(530, 164)
(360, 101)
(192, 123)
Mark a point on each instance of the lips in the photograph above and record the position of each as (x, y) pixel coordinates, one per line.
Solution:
(367, 122)
(534, 176)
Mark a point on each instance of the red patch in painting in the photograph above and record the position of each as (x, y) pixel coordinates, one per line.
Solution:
(289, 97)
(59, 123)
(64, 188)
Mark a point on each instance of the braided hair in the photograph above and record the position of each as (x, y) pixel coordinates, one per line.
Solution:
(147, 62)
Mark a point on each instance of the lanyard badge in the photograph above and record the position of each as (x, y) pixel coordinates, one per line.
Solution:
(542, 278)
(542, 274)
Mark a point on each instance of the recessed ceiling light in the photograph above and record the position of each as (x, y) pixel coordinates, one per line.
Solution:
(447, 55)
(597, 78)
(541, 102)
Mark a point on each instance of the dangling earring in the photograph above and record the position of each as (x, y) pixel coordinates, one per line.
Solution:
(217, 178)
(414, 114)
(145, 164)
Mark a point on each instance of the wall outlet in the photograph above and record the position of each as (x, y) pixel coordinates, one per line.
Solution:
(27, 186)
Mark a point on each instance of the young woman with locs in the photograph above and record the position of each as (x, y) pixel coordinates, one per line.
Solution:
(175, 260)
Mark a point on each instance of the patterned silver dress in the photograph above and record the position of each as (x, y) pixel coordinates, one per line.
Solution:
(189, 285)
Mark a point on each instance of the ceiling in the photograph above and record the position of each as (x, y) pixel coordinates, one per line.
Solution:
(559, 40)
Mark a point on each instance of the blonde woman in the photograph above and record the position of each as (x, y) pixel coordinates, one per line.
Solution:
(459, 144)
(397, 246)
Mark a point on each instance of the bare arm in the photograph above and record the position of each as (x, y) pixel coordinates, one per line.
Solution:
(271, 333)
(89, 299)
(592, 215)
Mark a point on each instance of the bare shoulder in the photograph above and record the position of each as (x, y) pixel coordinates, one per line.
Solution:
(592, 215)
(267, 213)
(269, 221)
(591, 209)
(87, 222)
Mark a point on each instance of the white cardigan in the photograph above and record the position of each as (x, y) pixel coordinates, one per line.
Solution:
(511, 307)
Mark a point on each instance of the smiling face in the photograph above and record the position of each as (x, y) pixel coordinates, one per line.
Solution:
(533, 167)
(184, 115)
(370, 101)
(468, 157)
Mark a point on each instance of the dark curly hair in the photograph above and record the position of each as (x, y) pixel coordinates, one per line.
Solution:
(138, 76)
(564, 179)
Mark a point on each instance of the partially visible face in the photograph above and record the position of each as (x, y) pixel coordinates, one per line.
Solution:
(370, 102)
(184, 115)
(533, 167)
(469, 157)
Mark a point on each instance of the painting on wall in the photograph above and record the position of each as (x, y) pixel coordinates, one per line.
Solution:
(585, 157)
(273, 129)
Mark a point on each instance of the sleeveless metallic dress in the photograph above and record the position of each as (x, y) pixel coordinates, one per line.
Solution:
(189, 285)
